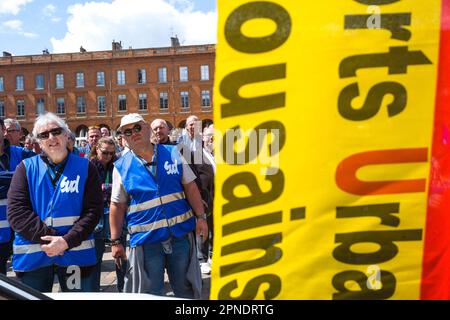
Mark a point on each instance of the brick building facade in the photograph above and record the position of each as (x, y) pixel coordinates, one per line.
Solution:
(98, 88)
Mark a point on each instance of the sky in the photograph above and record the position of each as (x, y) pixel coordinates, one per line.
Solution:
(28, 27)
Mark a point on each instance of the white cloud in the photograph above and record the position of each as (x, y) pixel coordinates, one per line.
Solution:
(49, 12)
(29, 34)
(137, 23)
(181, 4)
(16, 27)
(13, 24)
(12, 6)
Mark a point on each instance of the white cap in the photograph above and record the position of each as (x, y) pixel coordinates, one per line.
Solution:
(130, 118)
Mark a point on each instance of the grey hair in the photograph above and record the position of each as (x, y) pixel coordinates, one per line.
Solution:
(47, 118)
(12, 122)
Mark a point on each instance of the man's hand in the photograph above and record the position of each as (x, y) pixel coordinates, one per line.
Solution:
(118, 251)
(56, 247)
(202, 229)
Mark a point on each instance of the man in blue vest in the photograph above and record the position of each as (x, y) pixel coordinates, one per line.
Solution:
(10, 157)
(54, 203)
(156, 190)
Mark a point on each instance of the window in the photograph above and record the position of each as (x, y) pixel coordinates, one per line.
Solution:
(60, 106)
(40, 106)
(2, 84)
(122, 99)
(19, 82)
(20, 104)
(204, 72)
(39, 82)
(100, 78)
(2, 108)
(80, 79)
(141, 76)
(81, 104)
(163, 100)
(184, 95)
(206, 98)
(183, 73)
(120, 77)
(59, 81)
(162, 74)
(142, 101)
(101, 105)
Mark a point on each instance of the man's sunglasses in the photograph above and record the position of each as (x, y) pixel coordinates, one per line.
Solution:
(129, 132)
(107, 153)
(46, 134)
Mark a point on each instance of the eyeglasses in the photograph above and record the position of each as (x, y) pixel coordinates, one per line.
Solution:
(46, 134)
(107, 153)
(12, 130)
(129, 132)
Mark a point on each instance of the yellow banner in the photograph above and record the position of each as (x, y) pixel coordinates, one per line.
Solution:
(324, 114)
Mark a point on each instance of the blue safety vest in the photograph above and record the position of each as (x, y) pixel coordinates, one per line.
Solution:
(15, 156)
(158, 207)
(59, 207)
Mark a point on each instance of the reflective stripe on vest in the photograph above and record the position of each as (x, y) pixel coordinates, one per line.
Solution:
(4, 224)
(61, 222)
(161, 223)
(156, 202)
(33, 248)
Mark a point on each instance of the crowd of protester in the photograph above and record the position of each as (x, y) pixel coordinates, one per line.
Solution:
(145, 191)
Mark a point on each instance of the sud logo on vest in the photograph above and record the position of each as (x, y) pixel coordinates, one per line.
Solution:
(171, 168)
(70, 186)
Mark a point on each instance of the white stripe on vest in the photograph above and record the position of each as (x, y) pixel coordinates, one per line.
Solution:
(33, 248)
(61, 222)
(161, 223)
(4, 224)
(156, 202)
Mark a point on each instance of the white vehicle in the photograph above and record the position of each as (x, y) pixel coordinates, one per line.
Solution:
(14, 290)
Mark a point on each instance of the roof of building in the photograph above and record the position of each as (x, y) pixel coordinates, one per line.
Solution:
(107, 54)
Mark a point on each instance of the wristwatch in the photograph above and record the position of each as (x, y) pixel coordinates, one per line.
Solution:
(115, 242)
(201, 216)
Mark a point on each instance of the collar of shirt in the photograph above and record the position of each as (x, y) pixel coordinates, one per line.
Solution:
(53, 166)
(150, 166)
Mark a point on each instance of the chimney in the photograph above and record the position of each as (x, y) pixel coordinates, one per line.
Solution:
(175, 42)
(116, 45)
(6, 54)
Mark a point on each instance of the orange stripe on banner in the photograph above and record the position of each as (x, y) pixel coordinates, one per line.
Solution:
(436, 259)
